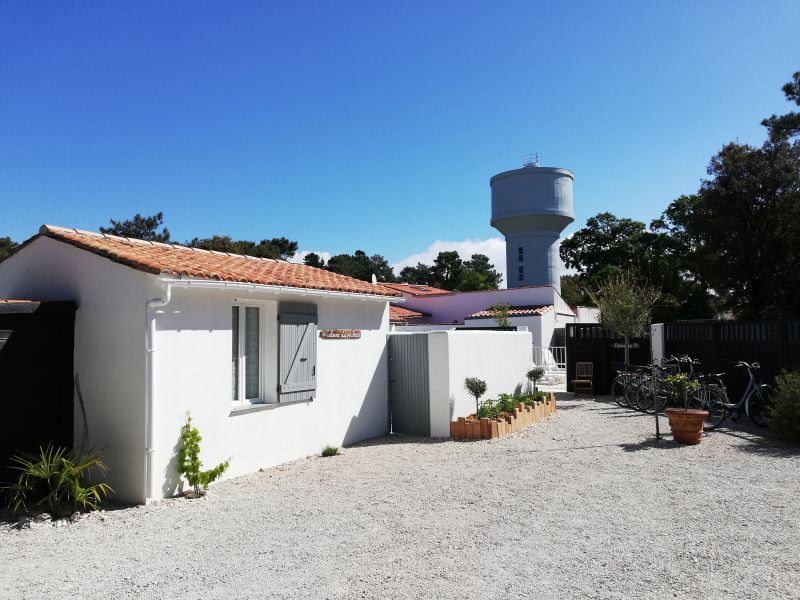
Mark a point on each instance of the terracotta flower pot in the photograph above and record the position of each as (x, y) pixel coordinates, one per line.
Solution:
(686, 425)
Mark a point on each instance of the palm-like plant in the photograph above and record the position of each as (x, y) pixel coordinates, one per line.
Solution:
(54, 478)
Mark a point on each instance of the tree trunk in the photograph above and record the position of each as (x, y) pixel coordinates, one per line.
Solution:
(627, 353)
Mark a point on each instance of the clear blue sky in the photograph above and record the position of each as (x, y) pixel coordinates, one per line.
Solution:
(370, 125)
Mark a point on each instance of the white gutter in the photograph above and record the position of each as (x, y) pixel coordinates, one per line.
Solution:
(273, 289)
(150, 374)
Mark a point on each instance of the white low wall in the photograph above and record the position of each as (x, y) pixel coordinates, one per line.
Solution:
(500, 358)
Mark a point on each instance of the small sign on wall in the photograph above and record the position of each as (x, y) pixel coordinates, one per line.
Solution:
(340, 334)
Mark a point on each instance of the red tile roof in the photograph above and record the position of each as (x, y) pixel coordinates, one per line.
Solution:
(413, 289)
(16, 301)
(398, 314)
(181, 261)
(514, 311)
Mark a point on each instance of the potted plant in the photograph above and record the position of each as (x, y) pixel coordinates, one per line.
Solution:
(686, 423)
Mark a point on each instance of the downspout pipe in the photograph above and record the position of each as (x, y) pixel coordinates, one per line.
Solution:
(149, 415)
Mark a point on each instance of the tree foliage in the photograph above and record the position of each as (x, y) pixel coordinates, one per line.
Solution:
(281, 247)
(625, 306)
(788, 125)
(140, 228)
(361, 266)
(7, 246)
(312, 259)
(450, 272)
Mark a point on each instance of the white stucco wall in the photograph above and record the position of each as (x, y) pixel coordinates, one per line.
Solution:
(109, 347)
(587, 314)
(501, 358)
(193, 367)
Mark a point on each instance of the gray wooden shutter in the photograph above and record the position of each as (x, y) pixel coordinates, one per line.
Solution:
(297, 357)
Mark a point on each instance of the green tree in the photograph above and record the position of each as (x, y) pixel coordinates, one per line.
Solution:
(788, 125)
(572, 291)
(140, 228)
(743, 226)
(447, 270)
(479, 265)
(610, 245)
(418, 275)
(361, 266)
(7, 246)
(625, 306)
(281, 248)
(312, 259)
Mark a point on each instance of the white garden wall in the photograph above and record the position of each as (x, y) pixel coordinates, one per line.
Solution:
(501, 358)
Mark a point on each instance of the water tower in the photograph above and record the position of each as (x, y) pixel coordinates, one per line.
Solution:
(531, 206)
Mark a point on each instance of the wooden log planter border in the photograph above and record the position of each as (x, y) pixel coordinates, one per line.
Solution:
(486, 429)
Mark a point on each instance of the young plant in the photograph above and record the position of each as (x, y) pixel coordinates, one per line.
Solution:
(330, 451)
(487, 410)
(189, 464)
(55, 478)
(476, 388)
(534, 375)
(679, 386)
(625, 306)
(500, 310)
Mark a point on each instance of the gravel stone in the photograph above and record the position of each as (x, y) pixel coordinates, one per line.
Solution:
(582, 505)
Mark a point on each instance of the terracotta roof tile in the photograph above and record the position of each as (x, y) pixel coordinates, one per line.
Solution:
(413, 289)
(514, 311)
(398, 314)
(181, 261)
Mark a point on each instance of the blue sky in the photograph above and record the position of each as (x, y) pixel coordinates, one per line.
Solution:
(370, 125)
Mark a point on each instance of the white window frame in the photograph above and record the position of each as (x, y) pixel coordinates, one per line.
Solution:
(261, 398)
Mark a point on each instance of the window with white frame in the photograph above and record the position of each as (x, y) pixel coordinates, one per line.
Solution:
(246, 354)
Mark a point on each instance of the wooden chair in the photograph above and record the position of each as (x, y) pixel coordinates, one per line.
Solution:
(583, 378)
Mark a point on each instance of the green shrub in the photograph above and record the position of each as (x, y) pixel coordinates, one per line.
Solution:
(679, 386)
(189, 464)
(784, 415)
(507, 403)
(330, 451)
(55, 478)
(488, 410)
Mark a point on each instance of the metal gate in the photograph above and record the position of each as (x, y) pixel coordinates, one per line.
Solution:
(409, 395)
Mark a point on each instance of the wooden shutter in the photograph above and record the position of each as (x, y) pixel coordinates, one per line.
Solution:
(297, 357)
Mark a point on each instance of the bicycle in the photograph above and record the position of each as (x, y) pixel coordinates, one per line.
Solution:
(755, 401)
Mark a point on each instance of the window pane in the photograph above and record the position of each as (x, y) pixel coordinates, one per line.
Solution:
(251, 375)
(235, 351)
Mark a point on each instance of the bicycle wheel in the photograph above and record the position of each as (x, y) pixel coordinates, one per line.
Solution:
(759, 405)
(710, 398)
(649, 404)
(618, 390)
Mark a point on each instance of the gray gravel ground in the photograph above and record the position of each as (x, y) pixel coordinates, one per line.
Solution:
(579, 506)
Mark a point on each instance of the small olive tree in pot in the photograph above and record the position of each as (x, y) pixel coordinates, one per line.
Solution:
(476, 388)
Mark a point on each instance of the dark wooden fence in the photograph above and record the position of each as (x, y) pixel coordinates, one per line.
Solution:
(588, 342)
(775, 345)
(36, 365)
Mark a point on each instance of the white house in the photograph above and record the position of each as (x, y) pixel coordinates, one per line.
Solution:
(272, 359)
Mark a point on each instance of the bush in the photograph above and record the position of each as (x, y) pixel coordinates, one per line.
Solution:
(330, 451)
(679, 386)
(55, 478)
(784, 416)
(488, 410)
(189, 459)
(476, 388)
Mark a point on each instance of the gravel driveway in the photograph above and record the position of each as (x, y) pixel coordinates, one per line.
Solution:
(575, 507)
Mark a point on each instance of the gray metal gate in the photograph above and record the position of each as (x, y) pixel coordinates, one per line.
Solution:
(409, 396)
